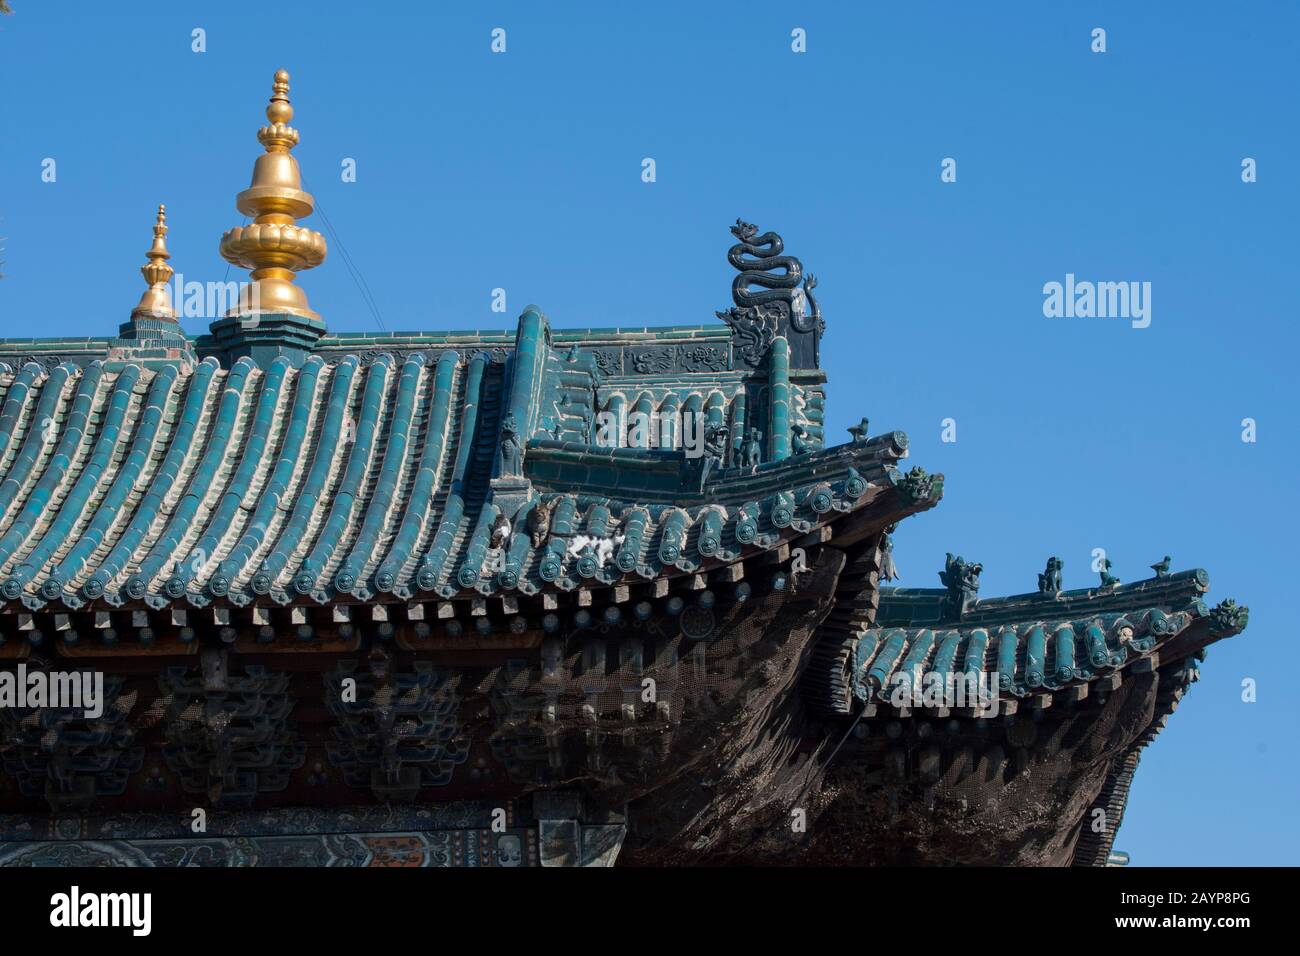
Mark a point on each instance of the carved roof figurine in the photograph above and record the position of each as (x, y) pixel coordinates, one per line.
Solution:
(1108, 580)
(962, 579)
(1049, 582)
(777, 309)
(511, 447)
(798, 440)
(888, 570)
(1161, 567)
(472, 532)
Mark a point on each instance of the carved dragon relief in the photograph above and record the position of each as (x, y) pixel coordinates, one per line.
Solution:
(759, 316)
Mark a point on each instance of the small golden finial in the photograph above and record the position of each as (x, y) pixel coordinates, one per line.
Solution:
(156, 303)
(279, 136)
(273, 246)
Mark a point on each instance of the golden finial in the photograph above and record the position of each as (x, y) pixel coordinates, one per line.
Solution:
(156, 303)
(273, 246)
(279, 136)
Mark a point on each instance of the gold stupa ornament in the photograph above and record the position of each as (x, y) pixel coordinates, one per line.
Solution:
(273, 246)
(156, 303)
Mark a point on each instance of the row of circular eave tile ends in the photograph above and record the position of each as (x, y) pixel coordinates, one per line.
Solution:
(1080, 651)
(675, 530)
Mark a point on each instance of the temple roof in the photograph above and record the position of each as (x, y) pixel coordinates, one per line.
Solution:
(381, 477)
(1037, 644)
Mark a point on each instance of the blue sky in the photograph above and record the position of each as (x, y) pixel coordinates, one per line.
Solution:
(523, 171)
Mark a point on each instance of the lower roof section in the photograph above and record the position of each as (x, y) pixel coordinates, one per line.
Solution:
(926, 646)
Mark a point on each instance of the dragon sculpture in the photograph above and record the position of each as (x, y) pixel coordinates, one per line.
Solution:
(758, 315)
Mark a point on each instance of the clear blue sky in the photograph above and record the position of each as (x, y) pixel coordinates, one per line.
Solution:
(523, 171)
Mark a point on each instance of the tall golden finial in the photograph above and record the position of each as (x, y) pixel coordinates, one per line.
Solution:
(156, 303)
(273, 246)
